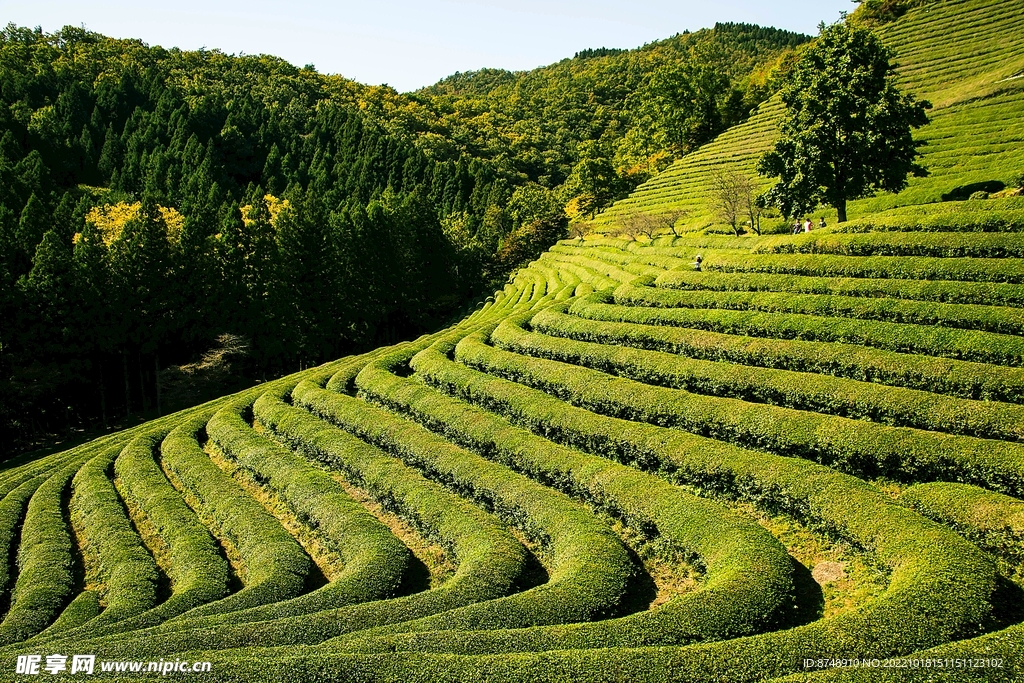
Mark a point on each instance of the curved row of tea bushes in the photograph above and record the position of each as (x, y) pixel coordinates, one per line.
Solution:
(983, 347)
(490, 562)
(943, 245)
(126, 570)
(991, 520)
(1000, 219)
(198, 574)
(928, 562)
(375, 561)
(608, 270)
(800, 390)
(46, 574)
(997, 319)
(16, 476)
(854, 446)
(994, 522)
(593, 322)
(86, 605)
(490, 559)
(588, 275)
(748, 573)
(274, 566)
(619, 257)
(82, 610)
(590, 566)
(896, 267)
(981, 293)
(12, 513)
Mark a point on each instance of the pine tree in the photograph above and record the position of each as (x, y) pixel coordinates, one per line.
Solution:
(49, 288)
(34, 222)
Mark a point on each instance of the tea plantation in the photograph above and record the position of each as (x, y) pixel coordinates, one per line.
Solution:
(803, 461)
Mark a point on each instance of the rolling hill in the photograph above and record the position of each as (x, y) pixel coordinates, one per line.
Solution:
(966, 58)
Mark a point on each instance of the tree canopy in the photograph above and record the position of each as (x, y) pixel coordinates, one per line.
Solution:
(848, 129)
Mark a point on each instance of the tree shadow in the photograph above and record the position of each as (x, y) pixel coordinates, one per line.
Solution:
(959, 194)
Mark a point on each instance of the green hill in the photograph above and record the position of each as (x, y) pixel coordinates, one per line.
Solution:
(966, 58)
(804, 458)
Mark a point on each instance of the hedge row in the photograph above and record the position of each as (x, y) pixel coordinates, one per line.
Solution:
(895, 267)
(46, 572)
(863, 448)
(942, 245)
(622, 258)
(991, 520)
(983, 293)
(928, 563)
(639, 665)
(198, 574)
(82, 610)
(608, 270)
(126, 570)
(375, 561)
(946, 376)
(393, 483)
(12, 513)
(16, 476)
(983, 347)
(1000, 220)
(969, 317)
(588, 275)
(748, 583)
(895, 406)
(590, 566)
(273, 565)
(490, 559)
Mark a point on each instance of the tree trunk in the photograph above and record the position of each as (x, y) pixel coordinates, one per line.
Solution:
(142, 385)
(156, 380)
(127, 385)
(841, 208)
(103, 396)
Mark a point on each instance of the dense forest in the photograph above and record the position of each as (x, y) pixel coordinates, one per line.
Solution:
(164, 212)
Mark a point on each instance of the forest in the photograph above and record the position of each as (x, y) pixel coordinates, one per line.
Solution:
(175, 224)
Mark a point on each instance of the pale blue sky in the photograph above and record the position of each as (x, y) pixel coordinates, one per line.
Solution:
(409, 44)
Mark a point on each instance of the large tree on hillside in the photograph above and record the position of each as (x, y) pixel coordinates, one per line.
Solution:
(848, 130)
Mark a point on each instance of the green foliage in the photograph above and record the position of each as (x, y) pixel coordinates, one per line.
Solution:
(848, 128)
(609, 400)
(801, 390)
(985, 318)
(273, 564)
(375, 561)
(603, 324)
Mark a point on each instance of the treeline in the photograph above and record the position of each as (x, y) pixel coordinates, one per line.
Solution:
(151, 200)
(595, 126)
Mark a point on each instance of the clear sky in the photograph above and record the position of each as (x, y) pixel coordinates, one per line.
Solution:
(410, 43)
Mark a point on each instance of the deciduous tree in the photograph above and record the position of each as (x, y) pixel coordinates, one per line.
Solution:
(848, 129)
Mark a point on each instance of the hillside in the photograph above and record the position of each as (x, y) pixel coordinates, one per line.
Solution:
(302, 215)
(969, 69)
(617, 468)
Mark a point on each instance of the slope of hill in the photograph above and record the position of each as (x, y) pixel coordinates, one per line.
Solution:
(965, 56)
(802, 458)
(92, 126)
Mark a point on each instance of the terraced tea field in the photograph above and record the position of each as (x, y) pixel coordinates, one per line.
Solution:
(619, 468)
(965, 56)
